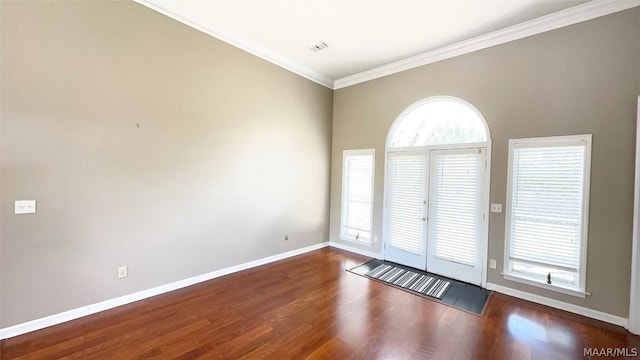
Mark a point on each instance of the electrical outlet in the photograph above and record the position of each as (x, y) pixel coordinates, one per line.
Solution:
(25, 207)
(123, 272)
(375, 239)
(492, 263)
(496, 208)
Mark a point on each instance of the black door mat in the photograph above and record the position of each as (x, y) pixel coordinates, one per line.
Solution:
(458, 294)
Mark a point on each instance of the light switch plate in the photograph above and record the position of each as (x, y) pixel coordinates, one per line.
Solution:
(496, 208)
(123, 272)
(25, 207)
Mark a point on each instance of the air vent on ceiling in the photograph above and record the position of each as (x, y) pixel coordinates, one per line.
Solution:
(319, 46)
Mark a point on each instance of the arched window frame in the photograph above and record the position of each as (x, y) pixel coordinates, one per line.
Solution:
(413, 107)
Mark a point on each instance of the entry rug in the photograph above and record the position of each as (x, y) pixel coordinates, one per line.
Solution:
(461, 295)
(410, 280)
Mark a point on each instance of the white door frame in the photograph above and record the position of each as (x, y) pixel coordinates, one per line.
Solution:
(484, 245)
(484, 240)
(634, 299)
(471, 274)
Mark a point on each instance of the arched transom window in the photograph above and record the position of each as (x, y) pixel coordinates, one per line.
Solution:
(438, 121)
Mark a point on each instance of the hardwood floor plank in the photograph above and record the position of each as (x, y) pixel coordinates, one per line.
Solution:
(310, 307)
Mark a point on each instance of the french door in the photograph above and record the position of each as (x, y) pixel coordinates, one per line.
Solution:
(434, 211)
(405, 209)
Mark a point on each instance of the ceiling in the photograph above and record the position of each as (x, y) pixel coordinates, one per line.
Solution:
(372, 38)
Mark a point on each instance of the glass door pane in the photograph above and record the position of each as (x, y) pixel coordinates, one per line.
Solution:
(405, 209)
(456, 179)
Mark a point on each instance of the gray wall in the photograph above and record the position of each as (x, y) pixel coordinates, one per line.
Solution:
(580, 79)
(231, 154)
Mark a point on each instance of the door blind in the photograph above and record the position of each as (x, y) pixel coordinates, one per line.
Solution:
(405, 201)
(455, 210)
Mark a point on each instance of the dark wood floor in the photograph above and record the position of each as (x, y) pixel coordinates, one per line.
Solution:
(309, 307)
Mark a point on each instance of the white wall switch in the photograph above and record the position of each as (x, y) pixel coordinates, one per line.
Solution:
(496, 208)
(492, 263)
(25, 207)
(123, 272)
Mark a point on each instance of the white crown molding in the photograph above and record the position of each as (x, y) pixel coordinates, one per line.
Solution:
(587, 11)
(594, 314)
(174, 10)
(77, 313)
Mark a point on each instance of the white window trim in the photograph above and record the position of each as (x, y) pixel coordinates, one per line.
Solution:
(420, 103)
(552, 287)
(580, 290)
(345, 154)
(438, 147)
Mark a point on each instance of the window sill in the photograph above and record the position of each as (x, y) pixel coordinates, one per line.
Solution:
(556, 288)
(367, 242)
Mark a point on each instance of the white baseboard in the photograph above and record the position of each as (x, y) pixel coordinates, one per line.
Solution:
(77, 313)
(594, 314)
(355, 250)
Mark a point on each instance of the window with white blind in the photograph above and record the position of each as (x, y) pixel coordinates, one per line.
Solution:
(357, 195)
(547, 212)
